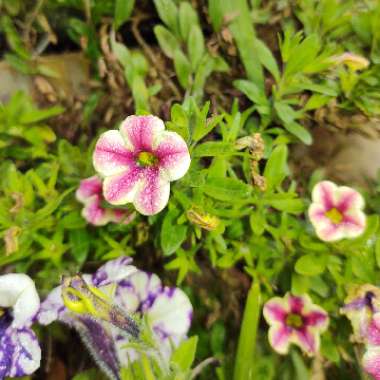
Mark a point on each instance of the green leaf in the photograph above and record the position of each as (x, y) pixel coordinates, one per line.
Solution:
(166, 40)
(182, 68)
(276, 167)
(215, 11)
(227, 189)
(244, 358)
(195, 46)
(311, 264)
(80, 244)
(168, 12)
(123, 10)
(188, 18)
(13, 37)
(252, 92)
(299, 131)
(184, 355)
(267, 59)
(35, 115)
(213, 148)
(172, 234)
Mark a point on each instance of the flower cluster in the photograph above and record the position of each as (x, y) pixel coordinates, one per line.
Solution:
(296, 320)
(20, 353)
(362, 307)
(167, 310)
(336, 212)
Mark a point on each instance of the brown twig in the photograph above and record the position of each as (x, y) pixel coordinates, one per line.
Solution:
(201, 366)
(151, 56)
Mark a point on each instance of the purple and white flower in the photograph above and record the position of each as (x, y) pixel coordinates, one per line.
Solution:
(90, 193)
(20, 352)
(295, 319)
(139, 161)
(167, 310)
(361, 303)
(336, 212)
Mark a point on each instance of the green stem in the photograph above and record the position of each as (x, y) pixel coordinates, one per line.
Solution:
(244, 360)
(148, 373)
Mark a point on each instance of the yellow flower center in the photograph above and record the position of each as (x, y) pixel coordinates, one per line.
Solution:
(294, 320)
(334, 215)
(147, 159)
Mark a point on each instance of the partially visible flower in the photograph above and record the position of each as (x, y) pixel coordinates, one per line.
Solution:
(371, 361)
(361, 304)
(90, 194)
(295, 319)
(336, 212)
(167, 310)
(353, 61)
(139, 161)
(20, 353)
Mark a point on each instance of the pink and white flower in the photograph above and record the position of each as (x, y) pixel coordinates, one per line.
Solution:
(371, 358)
(295, 319)
(139, 161)
(336, 212)
(90, 194)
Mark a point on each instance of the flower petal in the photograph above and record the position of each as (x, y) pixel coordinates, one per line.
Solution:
(111, 155)
(120, 189)
(348, 198)
(330, 231)
(308, 341)
(138, 291)
(173, 155)
(171, 313)
(17, 290)
(323, 194)
(296, 303)
(318, 318)
(114, 271)
(276, 310)
(26, 356)
(371, 361)
(354, 223)
(279, 338)
(373, 331)
(52, 308)
(89, 187)
(140, 132)
(153, 192)
(94, 213)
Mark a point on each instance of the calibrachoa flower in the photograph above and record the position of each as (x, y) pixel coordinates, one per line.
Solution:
(361, 304)
(336, 212)
(371, 359)
(297, 320)
(90, 194)
(167, 310)
(20, 353)
(139, 161)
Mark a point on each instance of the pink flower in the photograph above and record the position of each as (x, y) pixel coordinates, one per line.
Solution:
(295, 320)
(139, 161)
(90, 194)
(336, 212)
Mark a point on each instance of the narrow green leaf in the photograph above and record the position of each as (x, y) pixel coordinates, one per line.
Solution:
(167, 41)
(245, 355)
(184, 355)
(182, 68)
(276, 167)
(195, 45)
(226, 189)
(214, 148)
(123, 10)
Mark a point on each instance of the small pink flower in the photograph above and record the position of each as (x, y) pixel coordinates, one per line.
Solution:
(90, 194)
(336, 212)
(139, 161)
(295, 320)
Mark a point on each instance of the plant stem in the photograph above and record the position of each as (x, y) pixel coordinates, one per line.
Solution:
(148, 373)
(244, 360)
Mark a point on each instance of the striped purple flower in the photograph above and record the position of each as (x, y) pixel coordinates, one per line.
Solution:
(296, 320)
(139, 161)
(361, 303)
(167, 310)
(336, 212)
(90, 194)
(20, 352)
